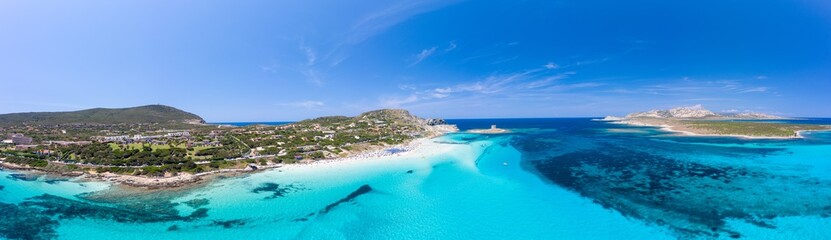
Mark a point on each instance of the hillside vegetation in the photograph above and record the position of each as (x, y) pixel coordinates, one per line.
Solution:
(142, 114)
(755, 129)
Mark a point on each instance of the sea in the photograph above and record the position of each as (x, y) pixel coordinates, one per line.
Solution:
(559, 178)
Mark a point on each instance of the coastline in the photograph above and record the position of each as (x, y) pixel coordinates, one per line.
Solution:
(488, 131)
(673, 129)
(492, 130)
(186, 180)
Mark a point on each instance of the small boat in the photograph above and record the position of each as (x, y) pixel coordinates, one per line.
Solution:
(504, 163)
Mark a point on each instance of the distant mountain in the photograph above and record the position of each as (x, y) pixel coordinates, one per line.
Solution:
(142, 114)
(698, 112)
(753, 115)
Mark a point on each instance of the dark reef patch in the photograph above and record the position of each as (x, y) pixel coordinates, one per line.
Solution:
(64, 208)
(197, 202)
(276, 190)
(55, 180)
(37, 217)
(25, 223)
(198, 214)
(23, 177)
(229, 223)
(173, 227)
(305, 218)
(364, 189)
(692, 198)
(2, 187)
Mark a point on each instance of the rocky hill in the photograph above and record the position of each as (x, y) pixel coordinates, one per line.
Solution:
(142, 114)
(697, 112)
(387, 117)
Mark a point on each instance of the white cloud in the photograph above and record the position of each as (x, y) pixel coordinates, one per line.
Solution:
(443, 90)
(533, 83)
(694, 88)
(308, 104)
(379, 21)
(450, 47)
(439, 95)
(375, 22)
(551, 65)
(407, 87)
(424, 54)
(313, 77)
(272, 68)
(397, 102)
(755, 89)
(311, 57)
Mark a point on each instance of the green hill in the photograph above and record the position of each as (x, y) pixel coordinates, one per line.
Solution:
(142, 114)
(398, 117)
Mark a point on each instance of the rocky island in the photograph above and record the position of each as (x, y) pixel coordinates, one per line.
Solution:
(696, 120)
(161, 146)
(492, 130)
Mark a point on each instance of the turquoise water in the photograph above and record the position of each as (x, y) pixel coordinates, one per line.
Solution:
(550, 179)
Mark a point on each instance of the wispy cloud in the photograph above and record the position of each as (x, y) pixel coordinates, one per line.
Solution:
(427, 52)
(528, 84)
(379, 21)
(691, 87)
(271, 68)
(551, 65)
(424, 54)
(395, 102)
(307, 104)
(311, 57)
(313, 76)
(450, 46)
(755, 89)
(374, 23)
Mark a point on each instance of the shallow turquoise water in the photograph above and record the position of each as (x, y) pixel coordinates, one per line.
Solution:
(551, 179)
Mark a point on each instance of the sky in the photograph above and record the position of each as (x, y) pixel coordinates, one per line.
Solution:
(275, 60)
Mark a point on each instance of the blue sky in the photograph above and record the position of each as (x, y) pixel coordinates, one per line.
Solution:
(289, 60)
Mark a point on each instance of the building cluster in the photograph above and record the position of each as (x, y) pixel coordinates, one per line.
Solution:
(18, 139)
(138, 138)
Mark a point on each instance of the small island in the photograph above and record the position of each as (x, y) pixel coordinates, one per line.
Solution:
(698, 121)
(492, 130)
(161, 146)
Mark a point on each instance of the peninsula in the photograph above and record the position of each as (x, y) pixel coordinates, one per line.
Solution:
(161, 146)
(698, 121)
(492, 130)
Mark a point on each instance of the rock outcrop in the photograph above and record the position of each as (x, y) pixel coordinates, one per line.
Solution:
(435, 121)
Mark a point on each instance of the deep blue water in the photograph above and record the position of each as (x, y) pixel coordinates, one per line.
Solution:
(560, 178)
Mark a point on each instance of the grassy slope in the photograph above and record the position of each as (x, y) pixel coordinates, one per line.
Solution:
(751, 128)
(143, 114)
